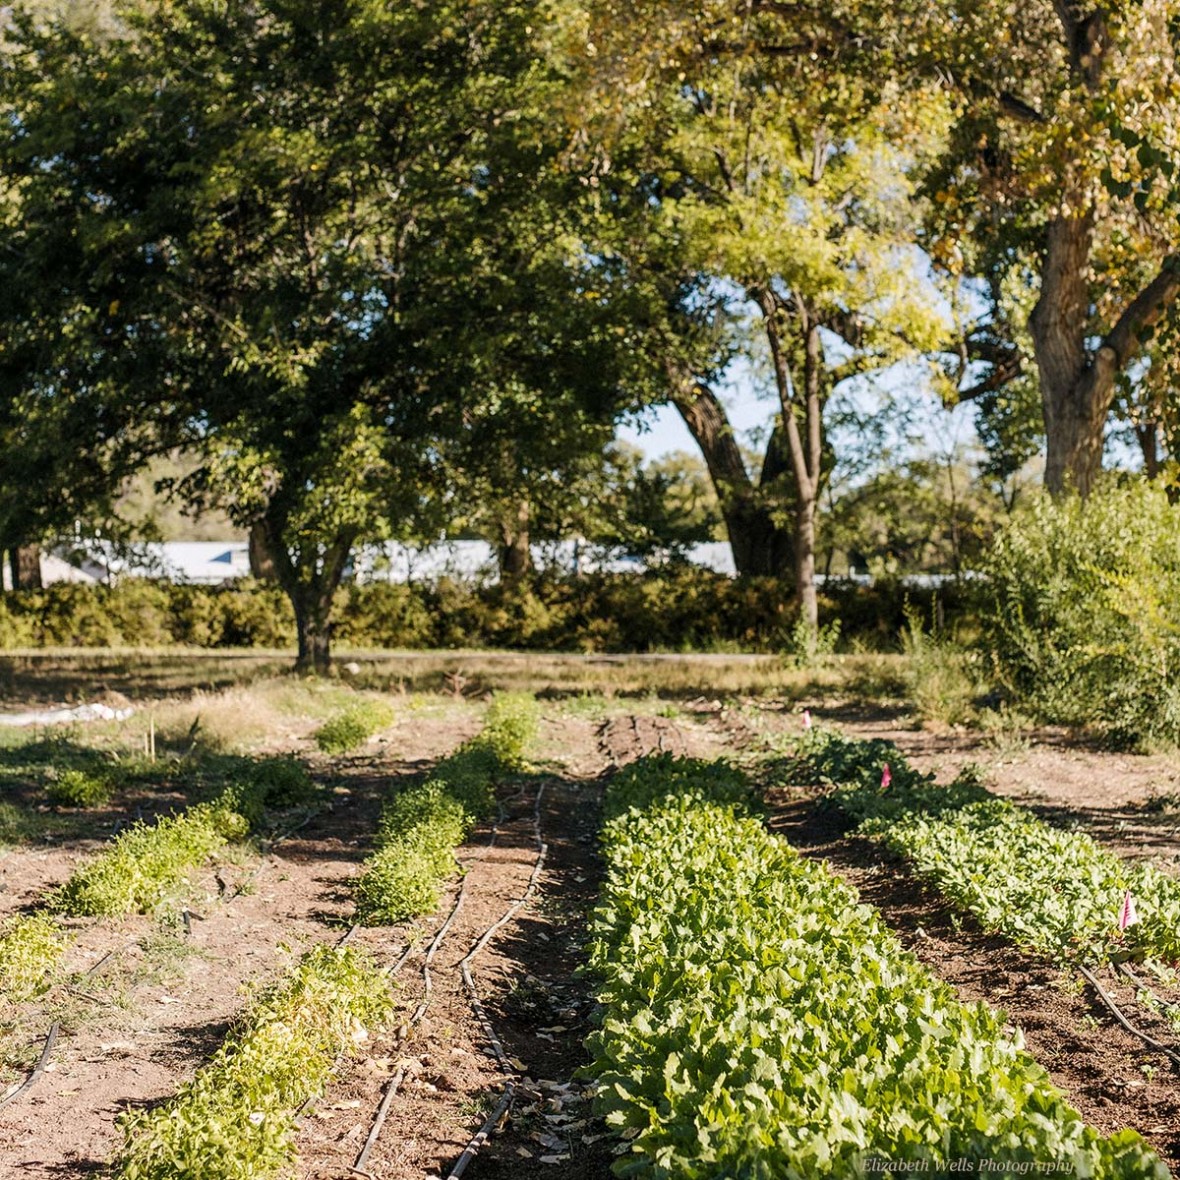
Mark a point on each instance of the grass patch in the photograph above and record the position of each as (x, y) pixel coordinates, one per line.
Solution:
(236, 1119)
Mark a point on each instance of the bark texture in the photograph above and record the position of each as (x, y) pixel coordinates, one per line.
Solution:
(761, 546)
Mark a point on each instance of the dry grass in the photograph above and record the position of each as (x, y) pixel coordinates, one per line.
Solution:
(276, 698)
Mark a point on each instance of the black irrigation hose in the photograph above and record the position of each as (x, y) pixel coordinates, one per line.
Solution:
(481, 1136)
(1146, 1038)
(38, 1069)
(395, 1082)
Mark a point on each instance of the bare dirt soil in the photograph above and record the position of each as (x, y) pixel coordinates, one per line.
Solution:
(153, 1012)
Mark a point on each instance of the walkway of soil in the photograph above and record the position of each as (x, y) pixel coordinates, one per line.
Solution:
(141, 1031)
(538, 1006)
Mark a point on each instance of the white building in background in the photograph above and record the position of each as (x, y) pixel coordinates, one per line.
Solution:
(212, 563)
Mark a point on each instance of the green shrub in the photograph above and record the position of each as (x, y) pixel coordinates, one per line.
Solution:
(938, 675)
(1082, 612)
(510, 728)
(760, 1022)
(353, 726)
(79, 788)
(261, 785)
(30, 950)
(236, 1119)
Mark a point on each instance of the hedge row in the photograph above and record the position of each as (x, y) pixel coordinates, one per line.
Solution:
(1055, 891)
(760, 1022)
(677, 609)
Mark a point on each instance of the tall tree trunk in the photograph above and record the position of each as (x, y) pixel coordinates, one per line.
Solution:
(805, 446)
(310, 581)
(24, 563)
(761, 546)
(805, 566)
(262, 562)
(1075, 396)
(313, 630)
(513, 553)
(1077, 383)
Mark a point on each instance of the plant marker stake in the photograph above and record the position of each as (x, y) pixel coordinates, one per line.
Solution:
(886, 777)
(806, 718)
(1127, 915)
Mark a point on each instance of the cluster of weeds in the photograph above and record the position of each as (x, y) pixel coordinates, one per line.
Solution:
(79, 788)
(30, 949)
(354, 725)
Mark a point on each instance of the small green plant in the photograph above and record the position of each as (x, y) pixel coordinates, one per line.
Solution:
(79, 788)
(236, 1119)
(510, 728)
(354, 725)
(420, 826)
(806, 648)
(30, 950)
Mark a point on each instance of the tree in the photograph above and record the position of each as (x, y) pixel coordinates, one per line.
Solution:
(791, 192)
(1060, 175)
(267, 208)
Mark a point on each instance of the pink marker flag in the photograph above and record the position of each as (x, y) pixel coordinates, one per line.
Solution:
(806, 718)
(886, 776)
(1127, 915)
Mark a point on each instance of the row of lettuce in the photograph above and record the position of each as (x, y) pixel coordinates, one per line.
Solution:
(760, 1022)
(1050, 889)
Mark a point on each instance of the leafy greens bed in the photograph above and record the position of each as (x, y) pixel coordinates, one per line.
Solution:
(420, 826)
(759, 1022)
(1052, 890)
(236, 1119)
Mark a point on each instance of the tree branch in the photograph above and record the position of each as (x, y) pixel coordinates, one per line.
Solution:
(1144, 311)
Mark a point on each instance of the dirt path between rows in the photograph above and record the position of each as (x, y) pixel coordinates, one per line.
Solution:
(527, 979)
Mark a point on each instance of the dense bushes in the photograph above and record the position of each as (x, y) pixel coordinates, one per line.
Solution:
(1082, 614)
(678, 608)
